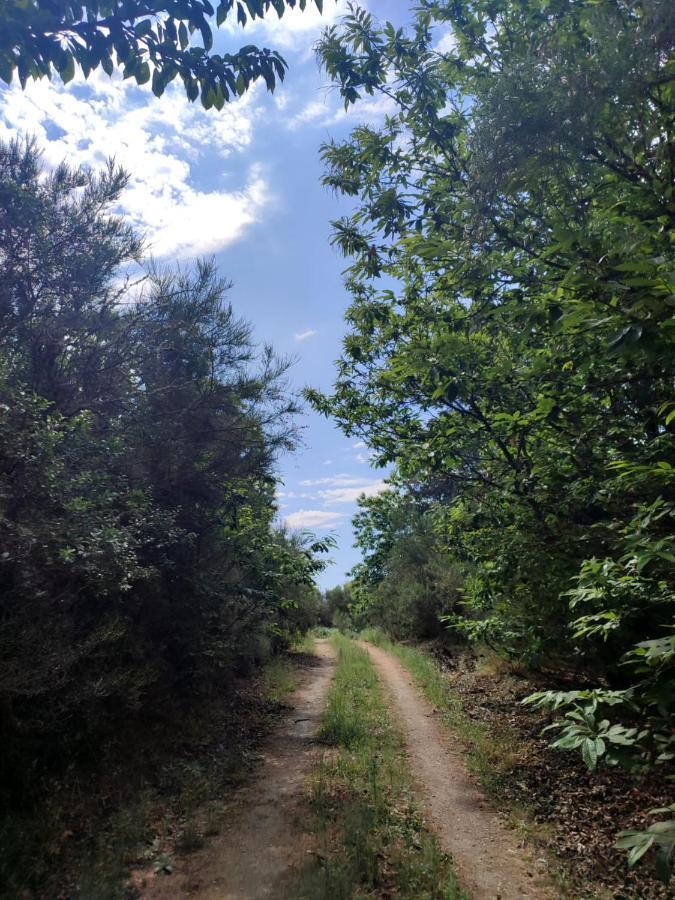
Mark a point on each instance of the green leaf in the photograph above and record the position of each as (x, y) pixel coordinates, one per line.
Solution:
(640, 849)
(67, 68)
(663, 865)
(142, 73)
(589, 753)
(6, 68)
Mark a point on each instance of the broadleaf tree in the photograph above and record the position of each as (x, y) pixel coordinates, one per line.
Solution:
(511, 333)
(151, 41)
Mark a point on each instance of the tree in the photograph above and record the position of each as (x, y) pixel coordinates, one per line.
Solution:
(149, 40)
(338, 606)
(140, 564)
(511, 327)
(511, 332)
(407, 582)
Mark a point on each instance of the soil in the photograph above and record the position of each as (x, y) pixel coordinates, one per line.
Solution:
(264, 844)
(579, 813)
(487, 856)
(263, 841)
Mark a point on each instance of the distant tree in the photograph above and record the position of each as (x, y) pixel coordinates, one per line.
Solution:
(148, 40)
(338, 602)
(407, 580)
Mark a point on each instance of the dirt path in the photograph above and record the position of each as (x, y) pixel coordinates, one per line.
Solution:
(487, 856)
(262, 841)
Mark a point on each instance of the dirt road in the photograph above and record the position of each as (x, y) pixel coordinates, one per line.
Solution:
(262, 842)
(489, 862)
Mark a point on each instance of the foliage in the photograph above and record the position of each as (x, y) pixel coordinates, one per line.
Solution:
(510, 344)
(149, 40)
(337, 607)
(140, 567)
(406, 582)
(660, 834)
(372, 838)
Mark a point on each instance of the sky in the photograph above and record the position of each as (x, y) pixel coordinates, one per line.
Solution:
(242, 185)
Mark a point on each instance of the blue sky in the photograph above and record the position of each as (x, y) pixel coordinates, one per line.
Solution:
(243, 185)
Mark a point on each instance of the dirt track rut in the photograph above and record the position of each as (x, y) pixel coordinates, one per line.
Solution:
(262, 842)
(487, 856)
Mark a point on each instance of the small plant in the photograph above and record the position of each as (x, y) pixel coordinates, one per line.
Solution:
(191, 838)
(659, 835)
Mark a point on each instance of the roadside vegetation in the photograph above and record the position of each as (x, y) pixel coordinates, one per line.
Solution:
(566, 813)
(143, 579)
(369, 837)
(510, 355)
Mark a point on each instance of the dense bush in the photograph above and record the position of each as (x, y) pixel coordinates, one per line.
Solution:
(140, 567)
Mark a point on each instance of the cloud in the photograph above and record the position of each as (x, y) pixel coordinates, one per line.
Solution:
(328, 462)
(352, 494)
(342, 489)
(160, 142)
(447, 43)
(330, 111)
(332, 480)
(315, 109)
(303, 335)
(359, 445)
(312, 518)
(296, 30)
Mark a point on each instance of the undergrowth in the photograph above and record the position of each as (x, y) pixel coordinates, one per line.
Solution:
(155, 793)
(371, 838)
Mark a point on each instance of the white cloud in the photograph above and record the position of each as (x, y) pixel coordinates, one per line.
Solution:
(330, 111)
(303, 335)
(332, 480)
(447, 43)
(315, 109)
(352, 494)
(160, 142)
(359, 445)
(328, 462)
(312, 518)
(295, 30)
(342, 489)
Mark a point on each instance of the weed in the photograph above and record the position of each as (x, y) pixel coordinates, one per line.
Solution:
(191, 838)
(369, 832)
(305, 643)
(279, 679)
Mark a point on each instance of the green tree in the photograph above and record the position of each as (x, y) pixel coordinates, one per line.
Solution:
(149, 40)
(511, 325)
(408, 581)
(140, 564)
(511, 330)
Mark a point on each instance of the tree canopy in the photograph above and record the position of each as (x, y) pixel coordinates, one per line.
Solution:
(151, 41)
(140, 565)
(511, 332)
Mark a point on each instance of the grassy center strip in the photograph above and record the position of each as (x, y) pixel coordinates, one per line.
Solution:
(370, 837)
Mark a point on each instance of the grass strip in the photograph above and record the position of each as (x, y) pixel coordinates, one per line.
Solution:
(372, 841)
